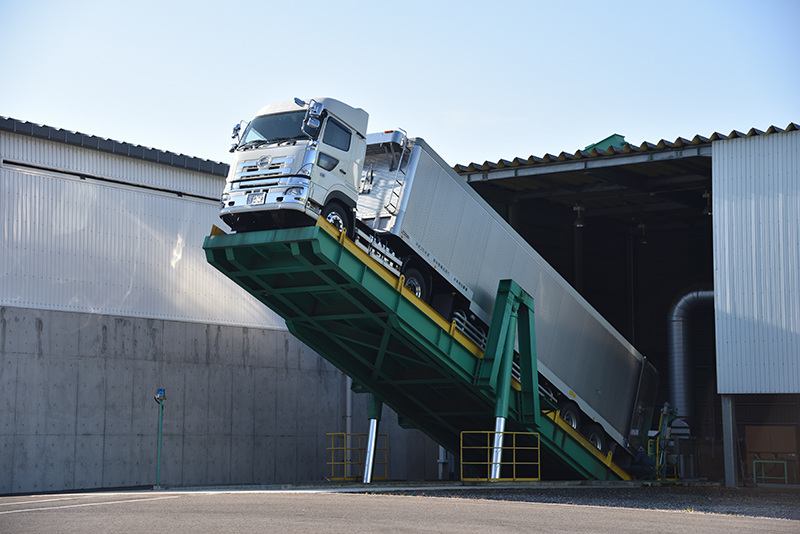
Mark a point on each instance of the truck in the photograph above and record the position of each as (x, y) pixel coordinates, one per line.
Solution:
(398, 200)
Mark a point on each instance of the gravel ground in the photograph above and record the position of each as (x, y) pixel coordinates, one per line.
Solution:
(753, 502)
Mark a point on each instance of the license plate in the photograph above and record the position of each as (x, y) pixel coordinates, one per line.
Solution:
(256, 198)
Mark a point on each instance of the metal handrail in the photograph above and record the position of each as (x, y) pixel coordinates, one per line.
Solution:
(349, 454)
(524, 457)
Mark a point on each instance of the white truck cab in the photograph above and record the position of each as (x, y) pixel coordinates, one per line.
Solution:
(294, 162)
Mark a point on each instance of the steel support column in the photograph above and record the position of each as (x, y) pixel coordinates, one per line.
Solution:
(504, 390)
(729, 441)
(375, 409)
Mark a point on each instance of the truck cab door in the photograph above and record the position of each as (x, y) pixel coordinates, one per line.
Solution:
(335, 159)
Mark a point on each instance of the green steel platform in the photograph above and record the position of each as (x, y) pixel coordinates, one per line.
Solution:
(353, 312)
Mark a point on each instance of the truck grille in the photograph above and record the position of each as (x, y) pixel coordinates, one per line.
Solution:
(258, 173)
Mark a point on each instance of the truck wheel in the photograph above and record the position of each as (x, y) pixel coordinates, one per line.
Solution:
(339, 217)
(416, 283)
(570, 414)
(597, 437)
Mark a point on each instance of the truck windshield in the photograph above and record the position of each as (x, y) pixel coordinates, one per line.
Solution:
(274, 129)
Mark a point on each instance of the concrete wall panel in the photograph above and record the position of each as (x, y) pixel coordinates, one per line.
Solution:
(144, 418)
(8, 395)
(93, 335)
(241, 462)
(29, 464)
(61, 396)
(265, 401)
(285, 454)
(243, 405)
(219, 460)
(243, 409)
(173, 381)
(197, 458)
(88, 461)
(196, 400)
(307, 403)
(6, 462)
(31, 405)
(220, 398)
(91, 396)
(117, 452)
(310, 458)
(264, 459)
(144, 451)
(147, 339)
(119, 397)
(172, 466)
(64, 333)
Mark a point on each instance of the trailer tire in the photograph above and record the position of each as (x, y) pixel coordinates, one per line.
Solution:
(339, 216)
(570, 414)
(415, 282)
(597, 437)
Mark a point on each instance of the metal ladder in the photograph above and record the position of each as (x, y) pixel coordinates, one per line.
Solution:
(399, 179)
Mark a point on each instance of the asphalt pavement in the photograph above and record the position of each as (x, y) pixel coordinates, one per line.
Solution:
(322, 511)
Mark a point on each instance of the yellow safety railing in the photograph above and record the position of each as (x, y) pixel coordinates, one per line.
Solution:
(520, 459)
(663, 449)
(349, 453)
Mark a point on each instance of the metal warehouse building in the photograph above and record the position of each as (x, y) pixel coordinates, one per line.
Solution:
(688, 248)
(691, 250)
(106, 296)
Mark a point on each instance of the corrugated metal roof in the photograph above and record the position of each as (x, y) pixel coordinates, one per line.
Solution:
(697, 140)
(114, 147)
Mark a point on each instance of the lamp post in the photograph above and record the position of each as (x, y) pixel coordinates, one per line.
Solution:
(160, 397)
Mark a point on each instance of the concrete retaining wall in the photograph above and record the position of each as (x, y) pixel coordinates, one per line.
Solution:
(244, 405)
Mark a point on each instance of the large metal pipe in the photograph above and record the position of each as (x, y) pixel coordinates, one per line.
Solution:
(679, 347)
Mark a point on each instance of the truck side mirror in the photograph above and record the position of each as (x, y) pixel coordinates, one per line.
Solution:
(313, 116)
(315, 109)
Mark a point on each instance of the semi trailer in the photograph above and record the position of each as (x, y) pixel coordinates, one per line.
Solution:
(398, 200)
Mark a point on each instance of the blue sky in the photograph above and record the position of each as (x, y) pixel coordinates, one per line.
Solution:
(478, 80)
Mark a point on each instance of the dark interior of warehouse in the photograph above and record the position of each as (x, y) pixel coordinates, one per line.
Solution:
(631, 229)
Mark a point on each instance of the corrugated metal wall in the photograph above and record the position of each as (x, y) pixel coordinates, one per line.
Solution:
(73, 159)
(756, 210)
(79, 244)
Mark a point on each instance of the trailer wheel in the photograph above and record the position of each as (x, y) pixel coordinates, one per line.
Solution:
(339, 217)
(570, 414)
(415, 281)
(597, 437)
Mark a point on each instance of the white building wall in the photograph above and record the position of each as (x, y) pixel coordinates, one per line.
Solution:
(82, 244)
(756, 210)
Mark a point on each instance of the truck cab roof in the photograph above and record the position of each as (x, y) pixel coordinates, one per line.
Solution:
(355, 118)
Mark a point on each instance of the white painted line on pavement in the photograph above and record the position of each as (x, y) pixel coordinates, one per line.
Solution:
(41, 500)
(45, 508)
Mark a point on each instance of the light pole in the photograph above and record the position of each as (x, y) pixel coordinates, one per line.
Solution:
(160, 397)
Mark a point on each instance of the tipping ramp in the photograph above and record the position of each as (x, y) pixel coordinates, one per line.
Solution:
(353, 312)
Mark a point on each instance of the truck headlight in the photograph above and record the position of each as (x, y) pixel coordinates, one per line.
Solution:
(294, 192)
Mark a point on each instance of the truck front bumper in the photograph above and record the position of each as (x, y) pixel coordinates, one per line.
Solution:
(239, 202)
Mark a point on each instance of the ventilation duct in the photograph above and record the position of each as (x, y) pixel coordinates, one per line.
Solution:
(679, 347)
